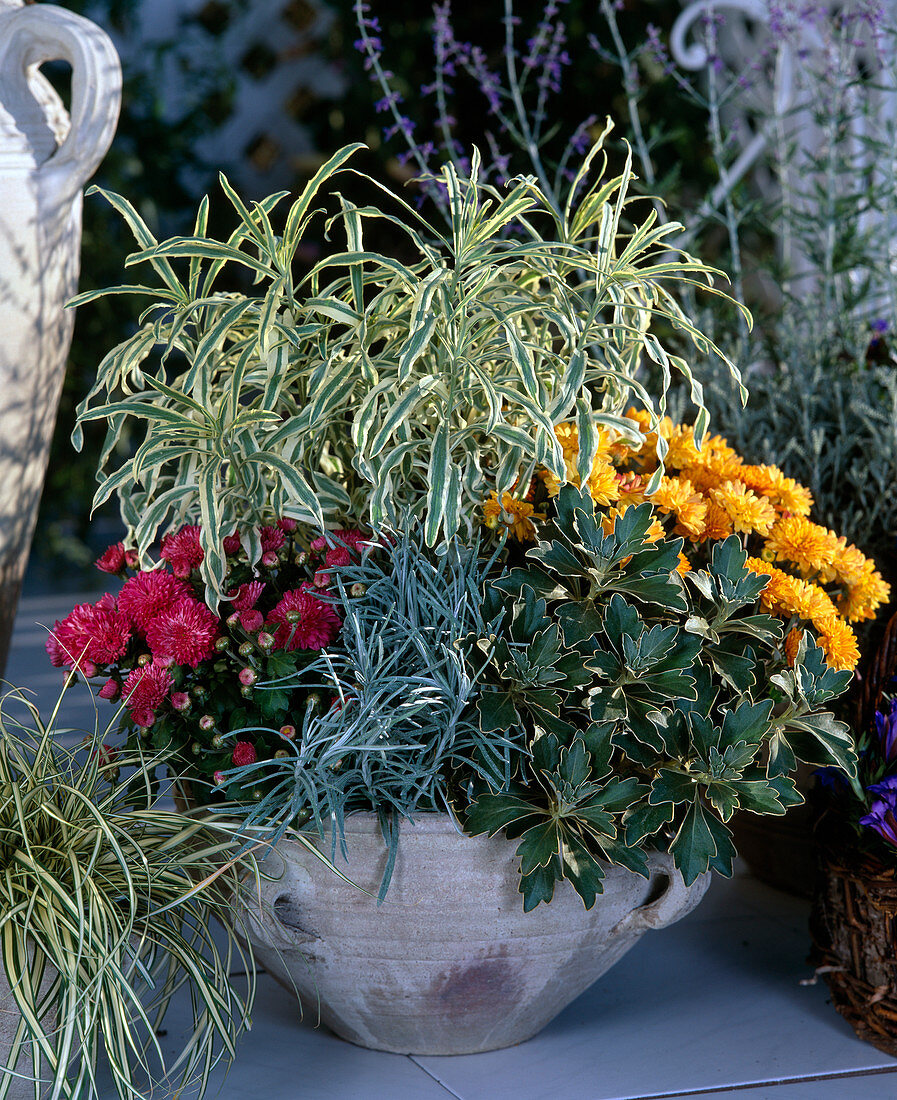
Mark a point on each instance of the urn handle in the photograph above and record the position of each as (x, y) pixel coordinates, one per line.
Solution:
(40, 33)
(674, 901)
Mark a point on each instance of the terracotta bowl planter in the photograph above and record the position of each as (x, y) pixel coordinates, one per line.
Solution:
(449, 963)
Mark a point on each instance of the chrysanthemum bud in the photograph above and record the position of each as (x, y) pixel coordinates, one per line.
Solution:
(281, 754)
(247, 676)
(245, 649)
(357, 589)
(286, 523)
(180, 700)
(256, 793)
(221, 645)
(246, 691)
(314, 699)
(218, 779)
(196, 748)
(287, 732)
(110, 690)
(269, 558)
(265, 641)
(302, 557)
(143, 660)
(233, 619)
(293, 615)
(217, 741)
(198, 691)
(207, 722)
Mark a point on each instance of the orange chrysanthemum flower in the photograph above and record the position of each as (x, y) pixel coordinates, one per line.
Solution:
(839, 644)
(568, 437)
(683, 450)
(551, 483)
(807, 545)
(630, 488)
(747, 511)
(492, 511)
(672, 494)
(717, 523)
(861, 600)
(516, 515)
(785, 494)
(684, 565)
(792, 644)
(713, 471)
(848, 563)
(603, 485)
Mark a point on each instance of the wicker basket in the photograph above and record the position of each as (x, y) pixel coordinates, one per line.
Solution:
(854, 930)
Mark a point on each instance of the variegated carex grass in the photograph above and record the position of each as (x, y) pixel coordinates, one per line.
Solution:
(106, 903)
(375, 386)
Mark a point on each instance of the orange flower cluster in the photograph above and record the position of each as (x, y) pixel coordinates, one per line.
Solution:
(709, 492)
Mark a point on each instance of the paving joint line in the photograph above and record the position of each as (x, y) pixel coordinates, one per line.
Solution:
(413, 1058)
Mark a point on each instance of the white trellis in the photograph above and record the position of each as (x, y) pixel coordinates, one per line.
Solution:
(269, 52)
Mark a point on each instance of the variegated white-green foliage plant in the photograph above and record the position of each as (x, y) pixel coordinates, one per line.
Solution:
(373, 384)
(106, 907)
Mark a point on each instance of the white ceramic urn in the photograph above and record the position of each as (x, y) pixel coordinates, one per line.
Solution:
(45, 159)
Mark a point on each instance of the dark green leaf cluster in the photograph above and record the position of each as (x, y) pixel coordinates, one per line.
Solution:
(652, 706)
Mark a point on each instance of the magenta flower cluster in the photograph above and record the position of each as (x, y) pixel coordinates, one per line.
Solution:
(158, 630)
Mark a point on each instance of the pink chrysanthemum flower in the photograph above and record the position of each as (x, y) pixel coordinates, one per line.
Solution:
(303, 622)
(185, 634)
(231, 544)
(247, 595)
(112, 560)
(144, 690)
(287, 523)
(350, 537)
(244, 753)
(272, 538)
(144, 597)
(251, 620)
(90, 635)
(182, 551)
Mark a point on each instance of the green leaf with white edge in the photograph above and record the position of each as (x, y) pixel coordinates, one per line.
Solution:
(672, 785)
(439, 477)
(299, 491)
(702, 843)
(143, 237)
(496, 711)
(299, 210)
(538, 885)
(492, 812)
(581, 869)
(400, 411)
(190, 247)
(645, 820)
(540, 846)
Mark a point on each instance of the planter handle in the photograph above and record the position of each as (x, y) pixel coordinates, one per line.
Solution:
(674, 902)
(37, 34)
